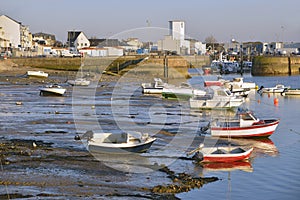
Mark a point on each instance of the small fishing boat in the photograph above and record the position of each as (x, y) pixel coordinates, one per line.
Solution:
(218, 98)
(153, 88)
(40, 74)
(133, 142)
(184, 91)
(291, 91)
(279, 88)
(79, 82)
(222, 154)
(246, 125)
(240, 83)
(53, 89)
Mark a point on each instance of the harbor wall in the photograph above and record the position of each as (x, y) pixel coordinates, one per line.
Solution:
(170, 66)
(281, 65)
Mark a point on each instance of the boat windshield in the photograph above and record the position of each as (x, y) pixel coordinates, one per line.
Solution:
(248, 116)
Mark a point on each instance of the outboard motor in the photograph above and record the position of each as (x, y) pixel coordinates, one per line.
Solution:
(259, 91)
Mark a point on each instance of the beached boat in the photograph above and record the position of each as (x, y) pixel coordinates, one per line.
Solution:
(53, 89)
(134, 142)
(246, 125)
(79, 82)
(221, 153)
(153, 88)
(40, 74)
(291, 91)
(218, 98)
(184, 91)
(279, 88)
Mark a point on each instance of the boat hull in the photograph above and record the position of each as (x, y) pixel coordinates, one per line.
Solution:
(38, 74)
(119, 148)
(181, 93)
(53, 91)
(227, 157)
(213, 83)
(223, 154)
(152, 90)
(215, 104)
(259, 130)
(79, 82)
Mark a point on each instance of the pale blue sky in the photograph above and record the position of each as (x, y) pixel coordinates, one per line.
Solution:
(244, 20)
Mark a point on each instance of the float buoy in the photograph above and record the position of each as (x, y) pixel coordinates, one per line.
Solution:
(276, 102)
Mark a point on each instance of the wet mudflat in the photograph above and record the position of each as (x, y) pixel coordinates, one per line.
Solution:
(41, 159)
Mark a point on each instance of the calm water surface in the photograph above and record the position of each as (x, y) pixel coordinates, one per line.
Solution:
(275, 175)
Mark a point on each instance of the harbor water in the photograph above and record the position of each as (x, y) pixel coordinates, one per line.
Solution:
(271, 173)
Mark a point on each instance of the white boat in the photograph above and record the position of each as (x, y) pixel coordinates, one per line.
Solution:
(279, 88)
(53, 89)
(290, 91)
(184, 91)
(221, 153)
(246, 125)
(218, 98)
(239, 83)
(153, 88)
(79, 82)
(133, 142)
(37, 74)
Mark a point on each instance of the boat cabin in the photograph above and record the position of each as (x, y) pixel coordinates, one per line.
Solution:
(247, 119)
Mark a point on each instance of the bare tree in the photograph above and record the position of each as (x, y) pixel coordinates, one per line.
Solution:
(210, 39)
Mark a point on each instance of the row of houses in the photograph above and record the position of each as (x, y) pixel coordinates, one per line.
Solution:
(17, 40)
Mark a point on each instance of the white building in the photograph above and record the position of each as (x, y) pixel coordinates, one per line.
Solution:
(94, 52)
(10, 32)
(177, 30)
(77, 40)
(175, 41)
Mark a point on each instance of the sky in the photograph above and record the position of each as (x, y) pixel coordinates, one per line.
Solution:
(242, 20)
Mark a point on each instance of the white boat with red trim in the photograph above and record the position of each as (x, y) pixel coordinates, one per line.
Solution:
(247, 125)
(222, 153)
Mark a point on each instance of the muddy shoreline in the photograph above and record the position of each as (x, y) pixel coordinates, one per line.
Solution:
(37, 168)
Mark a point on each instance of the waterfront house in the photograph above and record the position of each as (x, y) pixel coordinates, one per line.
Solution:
(77, 40)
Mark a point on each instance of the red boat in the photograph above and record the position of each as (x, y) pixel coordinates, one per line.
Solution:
(222, 154)
(246, 126)
(213, 83)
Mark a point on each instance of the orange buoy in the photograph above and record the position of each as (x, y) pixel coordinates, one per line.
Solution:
(276, 102)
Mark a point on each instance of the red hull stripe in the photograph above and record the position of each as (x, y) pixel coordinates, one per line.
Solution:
(225, 159)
